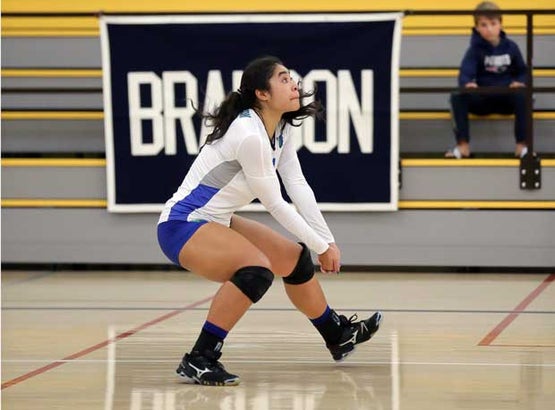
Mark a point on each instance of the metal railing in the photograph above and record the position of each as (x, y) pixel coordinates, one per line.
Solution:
(529, 164)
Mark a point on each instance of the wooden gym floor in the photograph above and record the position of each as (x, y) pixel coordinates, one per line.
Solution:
(111, 340)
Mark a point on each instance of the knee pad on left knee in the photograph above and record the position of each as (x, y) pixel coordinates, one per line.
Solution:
(253, 281)
(304, 271)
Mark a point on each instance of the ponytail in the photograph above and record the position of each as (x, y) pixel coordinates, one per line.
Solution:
(224, 115)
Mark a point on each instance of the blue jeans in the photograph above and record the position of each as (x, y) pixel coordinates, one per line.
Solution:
(480, 104)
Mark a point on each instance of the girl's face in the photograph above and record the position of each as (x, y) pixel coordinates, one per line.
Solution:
(489, 29)
(283, 95)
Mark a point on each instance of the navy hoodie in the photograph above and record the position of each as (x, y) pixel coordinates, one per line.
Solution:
(489, 65)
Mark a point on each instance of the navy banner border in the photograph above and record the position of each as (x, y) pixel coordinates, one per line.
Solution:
(342, 181)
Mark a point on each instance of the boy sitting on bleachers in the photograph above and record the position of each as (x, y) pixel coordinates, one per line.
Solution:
(491, 60)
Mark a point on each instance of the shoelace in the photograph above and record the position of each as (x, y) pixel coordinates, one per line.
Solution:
(348, 322)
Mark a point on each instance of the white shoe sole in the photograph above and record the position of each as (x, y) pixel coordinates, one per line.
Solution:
(189, 380)
(186, 379)
(345, 356)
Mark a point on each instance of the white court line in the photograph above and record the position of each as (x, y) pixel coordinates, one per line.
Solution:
(110, 369)
(352, 362)
(395, 379)
(346, 363)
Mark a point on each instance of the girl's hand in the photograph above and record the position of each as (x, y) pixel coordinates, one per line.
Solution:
(330, 260)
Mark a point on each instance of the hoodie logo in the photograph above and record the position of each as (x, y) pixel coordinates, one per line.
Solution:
(497, 64)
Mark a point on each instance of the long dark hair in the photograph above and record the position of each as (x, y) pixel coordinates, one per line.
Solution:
(256, 76)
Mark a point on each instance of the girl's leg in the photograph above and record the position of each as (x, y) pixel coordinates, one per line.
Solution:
(341, 334)
(222, 255)
(283, 255)
(217, 253)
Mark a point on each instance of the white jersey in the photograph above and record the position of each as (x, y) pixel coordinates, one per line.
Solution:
(241, 166)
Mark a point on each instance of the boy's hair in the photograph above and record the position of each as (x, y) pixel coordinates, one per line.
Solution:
(487, 9)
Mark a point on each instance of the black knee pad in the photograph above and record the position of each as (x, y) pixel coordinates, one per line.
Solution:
(304, 271)
(253, 281)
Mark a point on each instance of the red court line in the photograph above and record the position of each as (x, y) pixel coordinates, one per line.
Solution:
(100, 345)
(490, 337)
(522, 345)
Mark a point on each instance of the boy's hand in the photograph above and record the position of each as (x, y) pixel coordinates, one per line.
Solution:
(517, 84)
(471, 84)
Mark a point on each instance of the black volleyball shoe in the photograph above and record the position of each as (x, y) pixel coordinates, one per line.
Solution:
(353, 334)
(205, 369)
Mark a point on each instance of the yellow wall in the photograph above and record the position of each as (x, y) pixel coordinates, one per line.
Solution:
(253, 5)
(87, 26)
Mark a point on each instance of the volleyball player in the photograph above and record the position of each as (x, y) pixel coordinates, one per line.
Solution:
(198, 229)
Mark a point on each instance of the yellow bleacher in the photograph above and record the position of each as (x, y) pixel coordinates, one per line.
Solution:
(86, 24)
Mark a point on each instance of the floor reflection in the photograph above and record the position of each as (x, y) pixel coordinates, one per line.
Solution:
(277, 389)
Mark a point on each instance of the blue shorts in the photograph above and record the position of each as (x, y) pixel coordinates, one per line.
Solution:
(172, 235)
